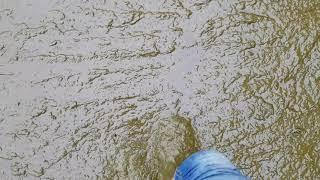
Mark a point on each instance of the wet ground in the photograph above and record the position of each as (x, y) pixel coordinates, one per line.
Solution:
(110, 89)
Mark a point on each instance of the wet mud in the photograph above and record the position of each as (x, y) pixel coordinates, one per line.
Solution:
(110, 89)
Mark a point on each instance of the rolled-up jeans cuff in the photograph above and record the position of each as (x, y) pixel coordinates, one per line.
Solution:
(208, 165)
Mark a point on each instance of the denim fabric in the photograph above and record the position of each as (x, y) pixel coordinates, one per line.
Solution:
(208, 165)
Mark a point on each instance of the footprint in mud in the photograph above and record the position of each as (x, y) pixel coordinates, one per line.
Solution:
(153, 148)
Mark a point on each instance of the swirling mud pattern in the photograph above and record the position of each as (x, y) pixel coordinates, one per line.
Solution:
(109, 89)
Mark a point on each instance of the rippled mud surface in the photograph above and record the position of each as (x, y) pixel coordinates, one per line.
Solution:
(111, 89)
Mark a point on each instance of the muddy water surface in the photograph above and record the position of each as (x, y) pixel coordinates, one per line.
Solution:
(110, 89)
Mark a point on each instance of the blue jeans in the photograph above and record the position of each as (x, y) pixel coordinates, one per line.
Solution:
(208, 165)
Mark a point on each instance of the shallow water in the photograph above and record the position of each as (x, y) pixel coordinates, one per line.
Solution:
(127, 89)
